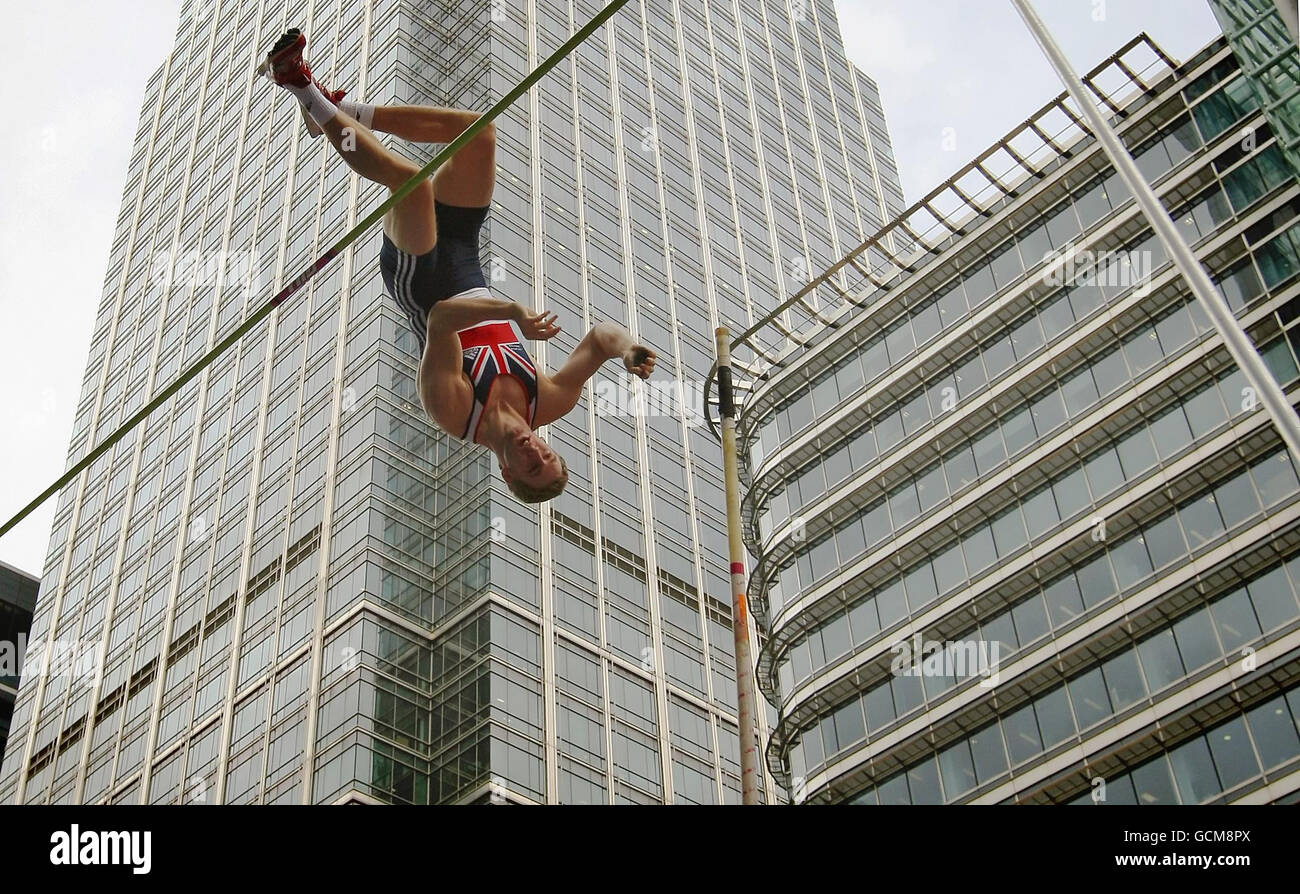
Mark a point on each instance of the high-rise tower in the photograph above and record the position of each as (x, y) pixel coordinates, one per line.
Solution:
(303, 591)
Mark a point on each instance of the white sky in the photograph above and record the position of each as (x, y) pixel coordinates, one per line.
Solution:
(72, 76)
(971, 65)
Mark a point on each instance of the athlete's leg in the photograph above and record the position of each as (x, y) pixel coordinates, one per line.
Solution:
(468, 178)
(423, 124)
(411, 223)
(363, 152)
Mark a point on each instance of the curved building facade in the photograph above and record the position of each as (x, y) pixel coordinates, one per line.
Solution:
(1024, 534)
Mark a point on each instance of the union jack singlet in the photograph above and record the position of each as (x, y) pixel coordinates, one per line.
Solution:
(490, 349)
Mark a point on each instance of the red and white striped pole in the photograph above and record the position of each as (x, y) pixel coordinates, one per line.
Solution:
(746, 699)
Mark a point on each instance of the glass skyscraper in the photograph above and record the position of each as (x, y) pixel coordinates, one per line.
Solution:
(1026, 535)
(304, 592)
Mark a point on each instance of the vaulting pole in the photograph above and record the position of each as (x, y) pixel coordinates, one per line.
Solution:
(303, 278)
(746, 700)
(1266, 388)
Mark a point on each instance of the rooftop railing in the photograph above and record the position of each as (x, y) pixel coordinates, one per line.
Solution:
(939, 220)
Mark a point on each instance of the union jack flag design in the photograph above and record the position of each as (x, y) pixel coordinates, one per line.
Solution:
(491, 349)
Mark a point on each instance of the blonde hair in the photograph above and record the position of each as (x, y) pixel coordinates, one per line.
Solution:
(530, 494)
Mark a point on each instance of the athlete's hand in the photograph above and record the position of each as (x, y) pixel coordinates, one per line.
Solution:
(640, 360)
(537, 326)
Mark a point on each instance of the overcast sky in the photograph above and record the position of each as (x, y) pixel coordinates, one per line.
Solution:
(971, 65)
(72, 76)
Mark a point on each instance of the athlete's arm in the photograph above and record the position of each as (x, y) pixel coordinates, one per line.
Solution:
(445, 390)
(558, 394)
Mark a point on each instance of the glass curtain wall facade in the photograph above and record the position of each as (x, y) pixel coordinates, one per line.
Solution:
(305, 592)
(1053, 478)
(1269, 59)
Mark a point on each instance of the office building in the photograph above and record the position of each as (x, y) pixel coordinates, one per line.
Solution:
(17, 599)
(306, 593)
(1025, 534)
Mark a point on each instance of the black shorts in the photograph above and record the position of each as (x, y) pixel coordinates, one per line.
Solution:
(452, 266)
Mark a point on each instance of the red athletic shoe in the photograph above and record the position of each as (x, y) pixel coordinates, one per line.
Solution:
(285, 64)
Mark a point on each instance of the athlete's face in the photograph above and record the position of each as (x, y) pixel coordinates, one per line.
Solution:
(530, 459)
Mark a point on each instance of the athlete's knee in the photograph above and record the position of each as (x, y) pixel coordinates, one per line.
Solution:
(400, 172)
(487, 135)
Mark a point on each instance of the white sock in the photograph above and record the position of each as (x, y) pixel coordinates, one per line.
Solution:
(362, 111)
(316, 103)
